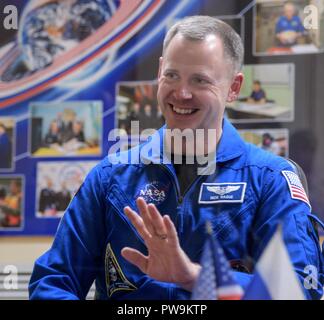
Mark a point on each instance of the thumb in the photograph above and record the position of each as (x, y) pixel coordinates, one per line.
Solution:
(135, 257)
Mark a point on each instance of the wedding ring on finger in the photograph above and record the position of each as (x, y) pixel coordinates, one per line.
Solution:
(162, 236)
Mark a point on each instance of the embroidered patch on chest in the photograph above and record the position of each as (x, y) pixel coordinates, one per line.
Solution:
(115, 278)
(296, 188)
(154, 192)
(223, 192)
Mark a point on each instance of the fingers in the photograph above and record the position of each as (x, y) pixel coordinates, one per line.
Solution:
(138, 223)
(156, 220)
(135, 257)
(171, 231)
(142, 207)
(151, 224)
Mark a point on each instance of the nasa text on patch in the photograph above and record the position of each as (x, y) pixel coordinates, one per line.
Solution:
(153, 192)
(230, 192)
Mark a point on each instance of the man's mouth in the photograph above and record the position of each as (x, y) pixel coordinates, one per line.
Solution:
(182, 111)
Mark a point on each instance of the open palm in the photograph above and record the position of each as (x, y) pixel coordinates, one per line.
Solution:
(166, 261)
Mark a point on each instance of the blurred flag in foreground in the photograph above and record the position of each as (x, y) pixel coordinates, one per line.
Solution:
(216, 280)
(274, 276)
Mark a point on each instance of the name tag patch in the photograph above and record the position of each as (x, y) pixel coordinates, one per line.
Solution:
(223, 192)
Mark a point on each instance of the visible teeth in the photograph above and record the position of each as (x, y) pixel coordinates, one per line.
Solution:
(183, 111)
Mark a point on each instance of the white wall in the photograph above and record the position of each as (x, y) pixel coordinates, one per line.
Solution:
(22, 251)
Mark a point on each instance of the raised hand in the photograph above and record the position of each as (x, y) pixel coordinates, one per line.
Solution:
(166, 261)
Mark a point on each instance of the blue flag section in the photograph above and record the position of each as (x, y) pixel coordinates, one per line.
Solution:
(216, 280)
(274, 277)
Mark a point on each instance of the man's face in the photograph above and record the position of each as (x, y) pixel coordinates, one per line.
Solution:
(256, 87)
(195, 81)
(77, 127)
(54, 127)
(14, 189)
(289, 10)
(49, 183)
(136, 107)
(147, 108)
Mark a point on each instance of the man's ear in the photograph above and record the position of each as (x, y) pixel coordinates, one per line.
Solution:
(160, 67)
(235, 87)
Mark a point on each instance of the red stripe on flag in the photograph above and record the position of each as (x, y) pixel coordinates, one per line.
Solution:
(298, 192)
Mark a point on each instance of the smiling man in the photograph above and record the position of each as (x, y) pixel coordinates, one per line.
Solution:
(197, 75)
(155, 254)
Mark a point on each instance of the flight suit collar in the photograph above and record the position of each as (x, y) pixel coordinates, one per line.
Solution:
(230, 146)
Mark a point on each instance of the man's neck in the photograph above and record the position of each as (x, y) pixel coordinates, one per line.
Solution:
(199, 146)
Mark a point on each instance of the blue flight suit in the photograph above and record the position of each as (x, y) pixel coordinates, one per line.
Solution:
(294, 24)
(244, 199)
(258, 95)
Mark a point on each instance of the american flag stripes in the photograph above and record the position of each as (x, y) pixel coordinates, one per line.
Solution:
(296, 188)
(216, 280)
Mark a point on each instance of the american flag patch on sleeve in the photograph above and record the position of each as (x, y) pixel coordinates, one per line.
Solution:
(296, 188)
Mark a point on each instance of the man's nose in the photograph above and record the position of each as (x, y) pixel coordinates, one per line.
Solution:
(182, 92)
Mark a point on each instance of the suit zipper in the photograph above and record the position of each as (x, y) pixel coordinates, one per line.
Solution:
(174, 183)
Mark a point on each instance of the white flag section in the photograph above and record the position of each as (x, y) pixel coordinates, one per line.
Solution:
(274, 278)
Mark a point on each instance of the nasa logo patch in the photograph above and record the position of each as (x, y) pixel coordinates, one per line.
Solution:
(154, 192)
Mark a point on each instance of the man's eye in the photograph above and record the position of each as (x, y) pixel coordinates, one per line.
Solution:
(200, 81)
(170, 75)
